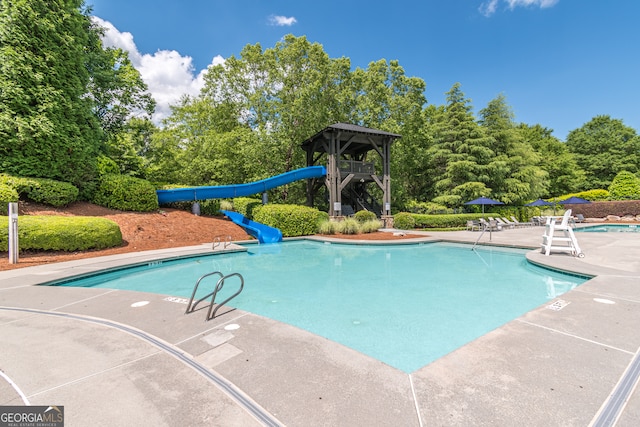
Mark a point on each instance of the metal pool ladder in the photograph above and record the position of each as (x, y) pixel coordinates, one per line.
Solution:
(217, 241)
(211, 313)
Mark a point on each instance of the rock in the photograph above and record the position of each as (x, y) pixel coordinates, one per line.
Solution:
(613, 218)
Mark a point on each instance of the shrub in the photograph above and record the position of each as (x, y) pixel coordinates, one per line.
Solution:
(591, 195)
(13, 182)
(349, 226)
(451, 200)
(7, 195)
(292, 220)
(126, 193)
(210, 207)
(427, 207)
(625, 186)
(595, 195)
(447, 221)
(327, 227)
(246, 206)
(106, 166)
(226, 205)
(50, 192)
(364, 216)
(370, 226)
(63, 233)
(323, 216)
(602, 209)
(404, 221)
(42, 190)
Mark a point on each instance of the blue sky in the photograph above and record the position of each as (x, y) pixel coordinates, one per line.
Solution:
(558, 62)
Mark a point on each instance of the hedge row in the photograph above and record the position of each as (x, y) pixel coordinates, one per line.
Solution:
(592, 195)
(40, 190)
(292, 220)
(62, 233)
(597, 209)
(602, 209)
(402, 221)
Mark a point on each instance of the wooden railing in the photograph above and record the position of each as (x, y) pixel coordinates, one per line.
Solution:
(352, 166)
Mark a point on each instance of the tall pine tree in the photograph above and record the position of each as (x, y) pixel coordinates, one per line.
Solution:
(514, 172)
(460, 153)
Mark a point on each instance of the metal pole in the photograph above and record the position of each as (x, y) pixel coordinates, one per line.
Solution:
(13, 233)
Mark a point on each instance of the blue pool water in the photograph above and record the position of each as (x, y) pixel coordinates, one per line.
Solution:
(405, 305)
(609, 228)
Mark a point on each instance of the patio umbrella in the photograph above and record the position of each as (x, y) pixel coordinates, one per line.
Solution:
(574, 201)
(540, 202)
(484, 201)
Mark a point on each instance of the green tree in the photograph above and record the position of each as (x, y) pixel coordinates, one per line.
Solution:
(460, 153)
(257, 108)
(514, 172)
(47, 124)
(289, 91)
(385, 98)
(203, 144)
(284, 94)
(129, 147)
(564, 174)
(116, 87)
(122, 104)
(625, 186)
(603, 147)
(410, 159)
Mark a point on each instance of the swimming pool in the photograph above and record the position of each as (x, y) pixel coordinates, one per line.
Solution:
(405, 305)
(610, 228)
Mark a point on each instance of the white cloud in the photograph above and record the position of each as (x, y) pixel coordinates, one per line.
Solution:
(489, 7)
(167, 74)
(541, 3)
(282, 21)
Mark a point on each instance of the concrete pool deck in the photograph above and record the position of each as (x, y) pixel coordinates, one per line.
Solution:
(110, 361)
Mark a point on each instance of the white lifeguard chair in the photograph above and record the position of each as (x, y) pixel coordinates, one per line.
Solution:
(560, 237)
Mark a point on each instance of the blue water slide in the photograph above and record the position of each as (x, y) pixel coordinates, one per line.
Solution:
(238, 190)
(262, 232)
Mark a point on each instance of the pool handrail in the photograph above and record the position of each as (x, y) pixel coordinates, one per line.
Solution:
(211, 313)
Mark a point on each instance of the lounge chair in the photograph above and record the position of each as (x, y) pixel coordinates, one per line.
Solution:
(491, 225)
(473, 225)
(578, 218)
(521, 224)
(505, 224)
